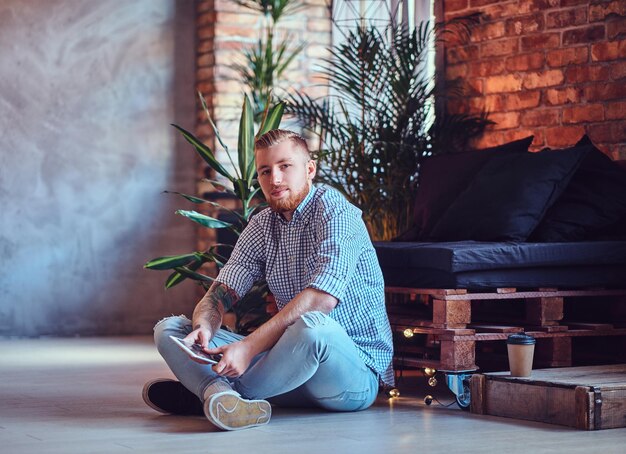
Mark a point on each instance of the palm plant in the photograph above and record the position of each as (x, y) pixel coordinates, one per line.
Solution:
(378, 125)
(244, 187)
(266, 61)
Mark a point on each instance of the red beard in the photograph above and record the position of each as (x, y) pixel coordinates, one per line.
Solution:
(291, 202)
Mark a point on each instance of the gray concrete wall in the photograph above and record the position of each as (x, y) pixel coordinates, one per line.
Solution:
(88, 89)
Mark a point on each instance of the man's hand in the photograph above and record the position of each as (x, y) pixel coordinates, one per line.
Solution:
(236, 358)
(201, 336)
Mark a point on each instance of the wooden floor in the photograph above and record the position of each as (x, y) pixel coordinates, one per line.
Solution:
(84, 396)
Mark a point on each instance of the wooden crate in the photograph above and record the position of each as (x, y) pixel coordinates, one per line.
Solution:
(589, 398)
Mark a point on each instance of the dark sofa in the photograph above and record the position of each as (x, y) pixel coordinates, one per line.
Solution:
(506, 217)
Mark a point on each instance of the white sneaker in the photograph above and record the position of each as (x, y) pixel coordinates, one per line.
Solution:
(229, 411)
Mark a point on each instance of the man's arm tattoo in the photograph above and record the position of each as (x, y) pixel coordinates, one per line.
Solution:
(207, 308)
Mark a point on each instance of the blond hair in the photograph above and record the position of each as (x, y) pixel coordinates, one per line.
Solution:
(276, 136)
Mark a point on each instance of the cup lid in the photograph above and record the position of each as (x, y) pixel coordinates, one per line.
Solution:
(520, 339)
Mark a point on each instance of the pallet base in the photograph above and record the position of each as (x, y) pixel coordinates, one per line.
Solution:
(439, 327)
(589, 398)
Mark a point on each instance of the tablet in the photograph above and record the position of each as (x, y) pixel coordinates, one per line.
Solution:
(196, 352)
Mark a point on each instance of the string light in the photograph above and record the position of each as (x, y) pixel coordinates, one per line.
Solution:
(430, 371)
(408, 333)
(393, 393)
(432, 381)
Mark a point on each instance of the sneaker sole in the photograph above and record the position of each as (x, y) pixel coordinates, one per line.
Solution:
(228, 411)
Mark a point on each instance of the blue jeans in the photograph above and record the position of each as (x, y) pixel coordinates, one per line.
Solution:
(313, 364)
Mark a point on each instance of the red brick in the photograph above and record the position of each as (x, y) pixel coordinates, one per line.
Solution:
(511, 101)
(615, 28)
(475, 3)
(204, 60)
(558, 96)
(206, 32)
(504, 120)
(486, 68)
(205, 46)
(615, 110)
(604, 92)
(458, 106)
(583, 114)
(205, 6)
(499, 47)
(567, 18)
(525, 24)
(543, 79)
(568, 56)
(456, 71)
(607, 132)
(488, 31)
(500, 11)
(206, 19)
(611, 50)
(456, 5)
(540, 42)
(586, 73)
(583, 35)
(541, 117)
(600, 11)
(562, 136)
(618, 70)
(618, 152)
(461, 54)
(502, 84)
(531, 6)
(524, 62)
(566, 3)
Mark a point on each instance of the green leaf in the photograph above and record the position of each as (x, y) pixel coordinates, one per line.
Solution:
(193, 275)
(191, 198)
(273, 119)
(205, 152)
(176, 278)
(246, 138)
(170, 261)
(204, 220)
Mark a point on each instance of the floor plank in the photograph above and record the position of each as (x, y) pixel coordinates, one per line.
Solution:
(84, 396)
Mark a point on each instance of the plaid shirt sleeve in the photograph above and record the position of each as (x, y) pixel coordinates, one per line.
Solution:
(246, 263)
(338, 252)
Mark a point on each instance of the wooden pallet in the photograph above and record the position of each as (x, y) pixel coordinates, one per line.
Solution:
(451, 337)
(589, 398)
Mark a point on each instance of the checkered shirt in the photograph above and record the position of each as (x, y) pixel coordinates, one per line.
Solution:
(325, 246)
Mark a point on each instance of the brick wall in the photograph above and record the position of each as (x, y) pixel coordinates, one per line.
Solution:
(552, 68)
(224, 31)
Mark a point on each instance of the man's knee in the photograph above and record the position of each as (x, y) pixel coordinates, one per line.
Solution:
(173, 325)
(310, 328)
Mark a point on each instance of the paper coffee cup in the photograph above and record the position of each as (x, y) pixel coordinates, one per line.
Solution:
(521, 348)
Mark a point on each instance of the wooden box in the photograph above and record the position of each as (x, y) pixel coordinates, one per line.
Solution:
(590, 398)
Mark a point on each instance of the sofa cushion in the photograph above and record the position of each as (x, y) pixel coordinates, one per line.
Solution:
(479, 265)
(592, 203)
(462, 256)
(509, 196)
(443, 177)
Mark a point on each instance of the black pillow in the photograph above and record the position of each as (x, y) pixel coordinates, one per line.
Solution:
(443, 177)
(592, 203)
(509, 196)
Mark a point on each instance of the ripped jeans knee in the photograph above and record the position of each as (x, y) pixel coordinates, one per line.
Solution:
(175, 325)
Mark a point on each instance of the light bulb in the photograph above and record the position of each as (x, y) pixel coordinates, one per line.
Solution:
(408, 333)
(430, 371)
(394, 392)
(432, 381)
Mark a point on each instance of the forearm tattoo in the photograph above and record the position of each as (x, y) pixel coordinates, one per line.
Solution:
(207, 309)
